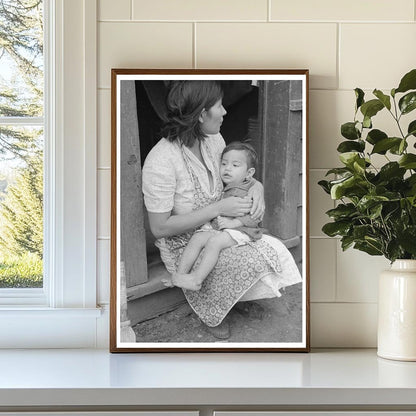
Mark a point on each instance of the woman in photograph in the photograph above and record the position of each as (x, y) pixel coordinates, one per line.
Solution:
(182, 191)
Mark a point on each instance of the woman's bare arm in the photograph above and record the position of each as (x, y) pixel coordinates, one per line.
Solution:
(166, 225)
(256, 193)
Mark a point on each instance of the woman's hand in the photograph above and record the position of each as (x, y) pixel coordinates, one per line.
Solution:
(256, 193)
(234, 206)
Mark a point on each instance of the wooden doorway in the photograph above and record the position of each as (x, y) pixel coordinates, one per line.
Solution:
(268, 114)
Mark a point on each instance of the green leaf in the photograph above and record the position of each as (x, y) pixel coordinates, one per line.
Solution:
(394, 251)
(333, 229)
(338, 171)
(354, 161)
(361, 231)
(383, 145)
(375, 212)
(368, 248)
(342, 211)
(411, 180)
(369, 201)
(407, 240)
(385, 99)
(325, 186)
(346, 242)
(371, 108)
(408, 161)
(367, 122)
(408, 102)
(359, 166)
(374, 136)
(399, 148)
(348, 158)
(359, 94)
(408, 82)
(411, 130)
(391, 170)
(338, 189)
(350, 146)
(349, 131)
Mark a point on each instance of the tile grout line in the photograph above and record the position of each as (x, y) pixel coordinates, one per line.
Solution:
(269, 10)
(307, 22)
(131, 10)
(335, 248)
(338, 241)
(344, 302)
(338, 64)
(194, 62)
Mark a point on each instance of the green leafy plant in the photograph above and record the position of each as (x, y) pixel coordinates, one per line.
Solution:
(376, 210)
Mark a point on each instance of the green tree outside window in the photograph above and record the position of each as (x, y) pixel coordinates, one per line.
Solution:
(21, 143)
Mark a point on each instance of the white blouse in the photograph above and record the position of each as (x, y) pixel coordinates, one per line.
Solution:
(167, 186)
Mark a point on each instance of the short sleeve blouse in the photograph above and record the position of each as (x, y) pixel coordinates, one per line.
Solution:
(167, 185)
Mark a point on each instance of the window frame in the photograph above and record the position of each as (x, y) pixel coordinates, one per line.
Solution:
(68, 298)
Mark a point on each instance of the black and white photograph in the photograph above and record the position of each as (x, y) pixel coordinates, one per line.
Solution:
(209, 215)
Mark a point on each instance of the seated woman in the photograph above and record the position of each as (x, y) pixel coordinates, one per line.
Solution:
(182, 191)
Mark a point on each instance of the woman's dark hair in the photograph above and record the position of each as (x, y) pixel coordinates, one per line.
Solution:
(185, 102)
(252, 158)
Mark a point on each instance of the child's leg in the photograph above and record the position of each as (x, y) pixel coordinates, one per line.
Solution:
(189, 255)
(211, 253)
(192, 250)
(213, 247)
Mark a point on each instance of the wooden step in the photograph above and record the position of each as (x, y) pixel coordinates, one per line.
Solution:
(151, 299)
(155, 304)
(156, 272)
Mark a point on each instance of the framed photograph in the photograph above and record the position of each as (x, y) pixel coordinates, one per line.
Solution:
(209, 211)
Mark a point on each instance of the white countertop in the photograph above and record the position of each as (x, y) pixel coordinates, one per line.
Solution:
(96, 377)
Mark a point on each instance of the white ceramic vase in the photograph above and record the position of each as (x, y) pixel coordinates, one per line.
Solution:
(397, 312)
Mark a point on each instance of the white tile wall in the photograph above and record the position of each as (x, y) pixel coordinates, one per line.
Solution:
(339, 325)
(323, 269)
(328, 109)
(367, 53)
(341, 10)
(103, 270)
(104, 202)
(104, 128)
(114, 10)
(142, 45)
(271, 45)
(345, 44)
(357, 275)
(200, 10)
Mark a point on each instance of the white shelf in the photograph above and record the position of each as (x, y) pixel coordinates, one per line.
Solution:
(335, 378)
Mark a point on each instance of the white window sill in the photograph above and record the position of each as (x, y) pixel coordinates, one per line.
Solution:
(331, 379)
(35, 311)
(40, 327)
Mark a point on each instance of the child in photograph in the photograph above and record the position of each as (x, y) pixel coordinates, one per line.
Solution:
(238, 165)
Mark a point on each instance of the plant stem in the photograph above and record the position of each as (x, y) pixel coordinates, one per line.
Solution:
(397, 118)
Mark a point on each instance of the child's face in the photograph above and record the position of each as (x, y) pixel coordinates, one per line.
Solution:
(234, 168)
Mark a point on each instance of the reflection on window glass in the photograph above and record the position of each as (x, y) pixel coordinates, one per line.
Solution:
(21, 143)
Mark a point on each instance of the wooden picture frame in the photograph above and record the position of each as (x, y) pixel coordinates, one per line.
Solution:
(268, 108)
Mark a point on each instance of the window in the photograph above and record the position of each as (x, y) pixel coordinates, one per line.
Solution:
(22, 131)
(64, 312)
